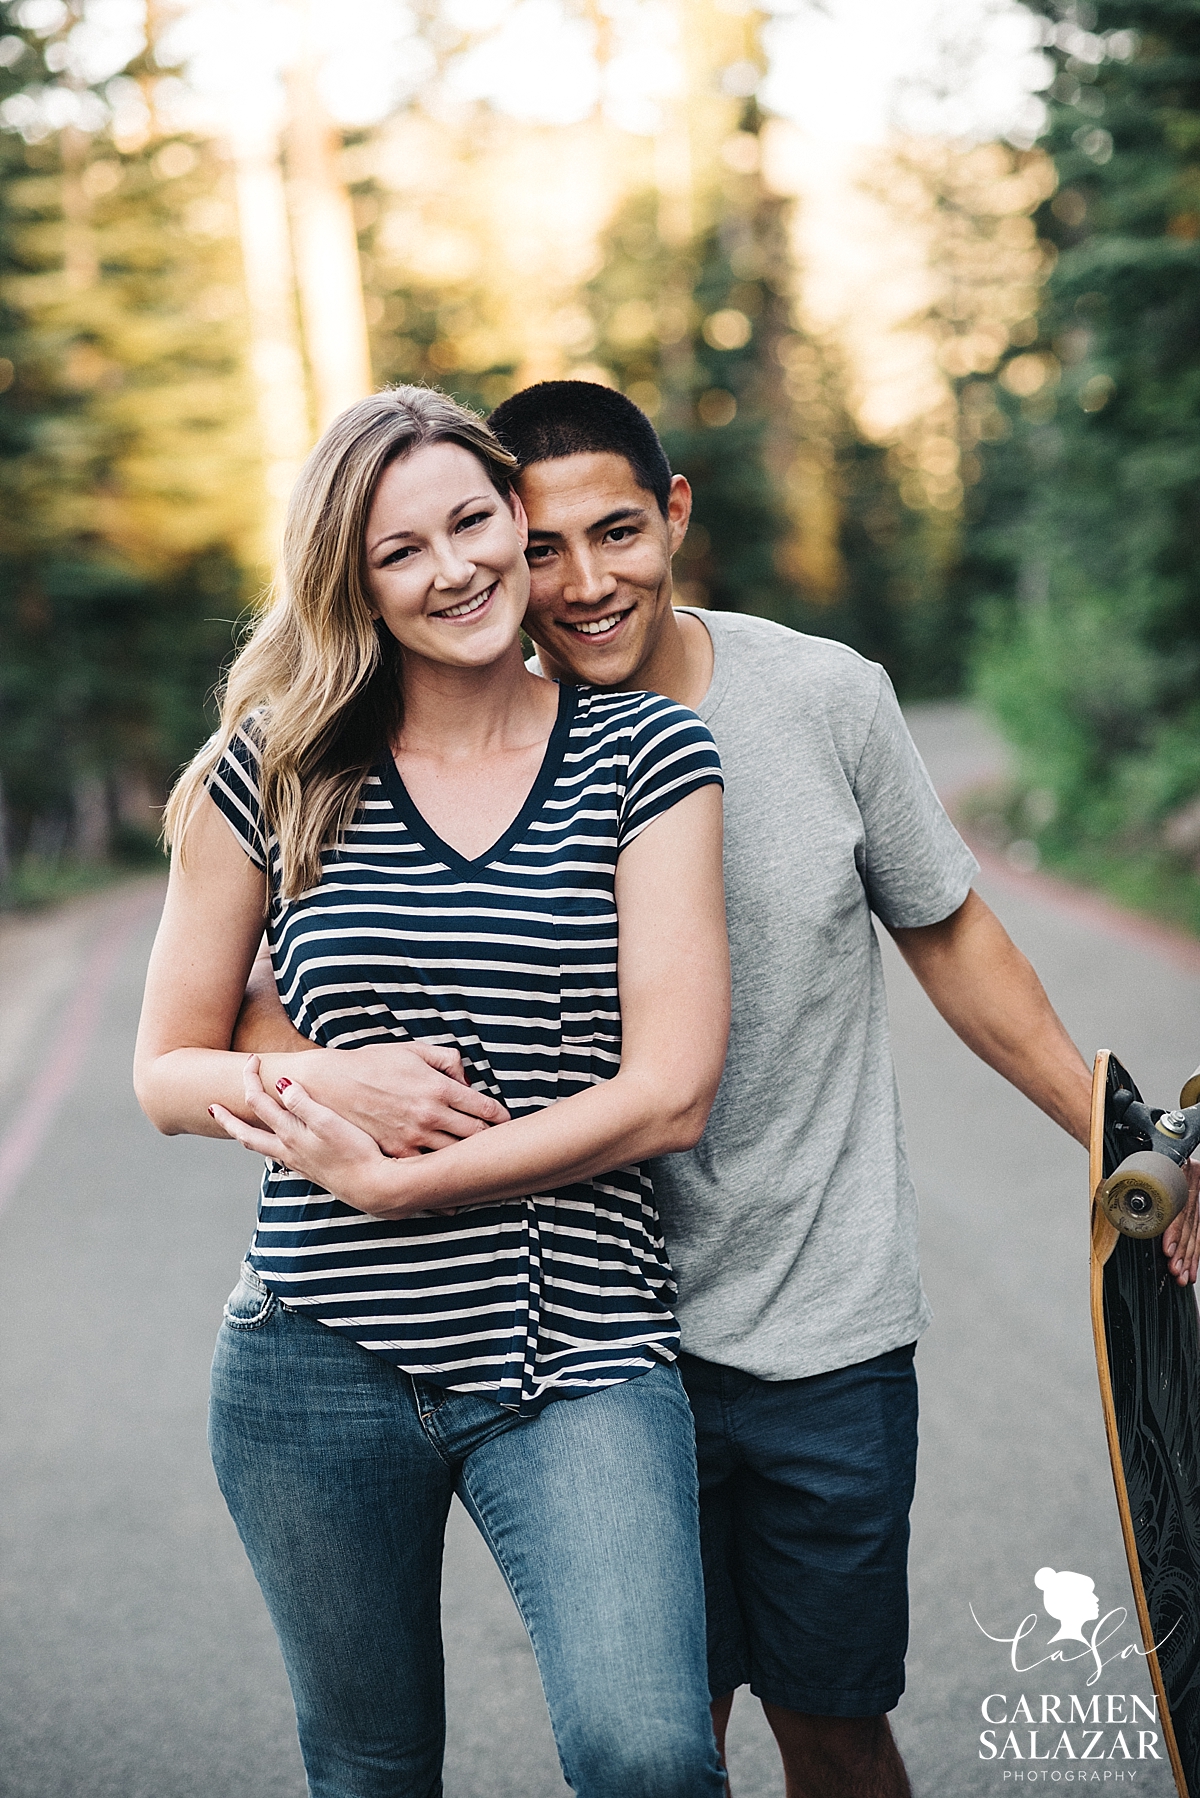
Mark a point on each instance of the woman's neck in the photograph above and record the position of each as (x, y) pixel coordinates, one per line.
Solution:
(464, 714)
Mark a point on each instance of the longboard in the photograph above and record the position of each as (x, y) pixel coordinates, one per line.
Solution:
(1148, 1359)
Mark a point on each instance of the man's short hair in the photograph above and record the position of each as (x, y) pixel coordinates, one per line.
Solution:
(580, 418)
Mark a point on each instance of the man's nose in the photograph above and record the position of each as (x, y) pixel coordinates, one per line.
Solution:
(587, 582)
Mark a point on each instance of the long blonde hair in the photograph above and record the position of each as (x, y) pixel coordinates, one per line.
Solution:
(319, 676)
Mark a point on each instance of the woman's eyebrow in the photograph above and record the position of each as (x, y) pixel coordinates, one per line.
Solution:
(475, 500)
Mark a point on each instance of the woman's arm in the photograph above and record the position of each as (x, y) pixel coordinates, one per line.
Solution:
(673, 978)
(211, 926)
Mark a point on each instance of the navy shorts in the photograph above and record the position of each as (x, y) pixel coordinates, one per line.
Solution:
(805, 1489)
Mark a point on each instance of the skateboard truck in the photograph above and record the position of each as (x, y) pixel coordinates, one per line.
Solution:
(1149, 1189)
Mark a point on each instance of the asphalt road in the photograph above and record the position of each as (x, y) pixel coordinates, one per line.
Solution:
(136, 1660)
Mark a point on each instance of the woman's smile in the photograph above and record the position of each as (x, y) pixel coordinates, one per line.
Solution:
(469, 608)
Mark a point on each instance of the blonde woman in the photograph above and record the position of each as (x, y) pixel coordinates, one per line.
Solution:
(441, 845)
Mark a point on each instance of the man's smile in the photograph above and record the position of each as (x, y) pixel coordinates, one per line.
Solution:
(598, 627)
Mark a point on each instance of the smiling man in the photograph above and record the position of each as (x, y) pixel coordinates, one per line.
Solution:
(792, 1225)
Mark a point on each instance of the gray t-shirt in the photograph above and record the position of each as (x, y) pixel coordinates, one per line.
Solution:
(792, 1226)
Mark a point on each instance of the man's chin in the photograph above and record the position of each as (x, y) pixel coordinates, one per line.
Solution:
(601, 671)
(612, 666)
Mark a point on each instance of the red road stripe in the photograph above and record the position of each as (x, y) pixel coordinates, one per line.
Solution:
(1093, 909)
(60, 1070)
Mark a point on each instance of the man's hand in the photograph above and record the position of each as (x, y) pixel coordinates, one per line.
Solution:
(408, 1096)
(1181, 1239)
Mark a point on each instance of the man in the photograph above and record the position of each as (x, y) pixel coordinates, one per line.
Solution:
(792, 1226)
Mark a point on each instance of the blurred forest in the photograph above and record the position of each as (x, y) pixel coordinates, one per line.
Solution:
(187, 297)
(1080, 542)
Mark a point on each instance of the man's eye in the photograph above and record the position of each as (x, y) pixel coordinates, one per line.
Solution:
(538, 552)
(619, 533)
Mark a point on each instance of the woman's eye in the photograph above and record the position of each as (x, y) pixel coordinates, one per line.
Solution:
(398, 555)
(464, 524)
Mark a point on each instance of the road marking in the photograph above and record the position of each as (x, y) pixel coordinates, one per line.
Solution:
(1086, 906)
(59, 1072)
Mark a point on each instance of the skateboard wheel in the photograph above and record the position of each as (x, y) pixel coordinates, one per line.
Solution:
(1191, 1092)
(1144, 1194)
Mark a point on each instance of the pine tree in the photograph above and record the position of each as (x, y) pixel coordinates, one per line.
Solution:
(1095, 500)
(127, 460)
(797, 516)
(701, 360)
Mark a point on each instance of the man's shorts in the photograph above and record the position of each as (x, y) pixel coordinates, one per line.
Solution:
(805, 1489)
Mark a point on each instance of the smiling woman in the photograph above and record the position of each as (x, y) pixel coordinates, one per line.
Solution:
(320, 662)
(444, 845)
(447, 578)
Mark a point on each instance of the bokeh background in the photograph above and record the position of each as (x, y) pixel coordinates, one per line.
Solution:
(911, 290)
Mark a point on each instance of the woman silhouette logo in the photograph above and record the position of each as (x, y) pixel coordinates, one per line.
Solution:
(1070, 1598)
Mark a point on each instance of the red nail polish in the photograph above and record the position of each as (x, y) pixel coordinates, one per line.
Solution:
(282, 1084)
(211, 1112)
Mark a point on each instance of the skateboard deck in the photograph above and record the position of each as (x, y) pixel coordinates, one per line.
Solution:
(1148, 1360)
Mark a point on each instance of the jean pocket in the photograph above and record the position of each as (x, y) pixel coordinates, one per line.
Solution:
(249, 1305)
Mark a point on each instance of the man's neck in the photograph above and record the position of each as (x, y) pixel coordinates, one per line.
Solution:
(681, 664)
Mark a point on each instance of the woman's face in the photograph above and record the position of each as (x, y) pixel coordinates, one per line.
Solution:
(445, 554)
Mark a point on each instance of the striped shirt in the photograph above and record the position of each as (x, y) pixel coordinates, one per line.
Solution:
(512, 960)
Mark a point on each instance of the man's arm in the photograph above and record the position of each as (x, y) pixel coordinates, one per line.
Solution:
(990, 996)
(263, 1026)
(408, 1096)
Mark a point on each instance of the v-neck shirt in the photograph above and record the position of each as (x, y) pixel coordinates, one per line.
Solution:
(511, 958)
(423, 831)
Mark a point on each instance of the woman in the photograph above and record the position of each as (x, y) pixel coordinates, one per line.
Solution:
(441, 844)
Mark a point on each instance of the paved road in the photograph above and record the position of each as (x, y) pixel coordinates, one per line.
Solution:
(135, 1657)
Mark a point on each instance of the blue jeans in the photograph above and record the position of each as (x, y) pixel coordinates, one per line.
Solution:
(338, 1469)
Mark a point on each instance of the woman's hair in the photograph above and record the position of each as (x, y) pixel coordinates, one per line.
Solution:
(319, 676)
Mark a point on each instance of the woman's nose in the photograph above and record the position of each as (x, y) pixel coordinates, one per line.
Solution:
(452, 568)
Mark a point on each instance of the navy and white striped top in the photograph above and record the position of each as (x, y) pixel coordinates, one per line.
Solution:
(511, 959)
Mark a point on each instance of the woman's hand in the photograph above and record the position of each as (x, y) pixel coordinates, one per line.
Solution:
(314, 1142)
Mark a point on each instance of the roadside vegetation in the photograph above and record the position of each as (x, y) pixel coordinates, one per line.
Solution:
(1028, 538)
(1085, 528)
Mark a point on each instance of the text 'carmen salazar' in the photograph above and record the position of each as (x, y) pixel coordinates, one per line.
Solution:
(1104, 1726)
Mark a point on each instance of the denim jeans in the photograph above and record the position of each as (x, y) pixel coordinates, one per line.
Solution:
(338, 1469)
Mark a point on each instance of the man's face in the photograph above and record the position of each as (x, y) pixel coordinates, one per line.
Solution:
(600, 564)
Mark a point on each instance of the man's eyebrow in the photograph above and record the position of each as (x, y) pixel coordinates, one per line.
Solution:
(462, 506)
(601, 524)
